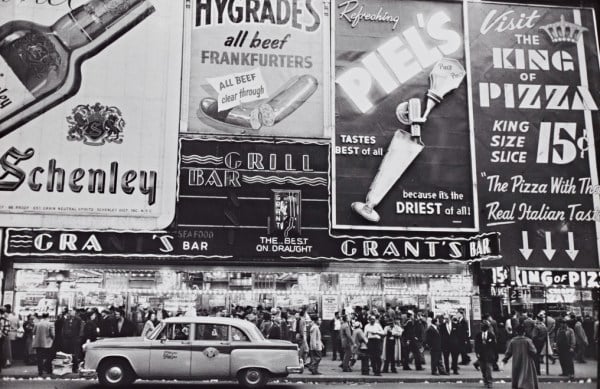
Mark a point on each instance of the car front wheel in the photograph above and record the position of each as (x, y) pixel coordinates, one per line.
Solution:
(253, 377)
(115, 373)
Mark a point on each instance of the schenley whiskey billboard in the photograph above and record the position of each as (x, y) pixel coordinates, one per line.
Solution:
(93, 145)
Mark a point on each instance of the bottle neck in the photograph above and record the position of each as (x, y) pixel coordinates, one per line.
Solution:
(87, 22)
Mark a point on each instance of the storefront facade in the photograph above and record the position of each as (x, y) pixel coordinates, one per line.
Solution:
(506, 290)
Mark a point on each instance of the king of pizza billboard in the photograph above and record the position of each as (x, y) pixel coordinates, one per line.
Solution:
(402, 147)
(257, 68)
(89, 112)
(535, 77)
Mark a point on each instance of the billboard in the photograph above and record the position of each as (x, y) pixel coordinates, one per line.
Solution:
(535, 82)
(257, 68)
(89, 112)
(402, 147)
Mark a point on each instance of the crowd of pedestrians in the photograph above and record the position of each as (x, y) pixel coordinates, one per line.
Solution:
(381, 341)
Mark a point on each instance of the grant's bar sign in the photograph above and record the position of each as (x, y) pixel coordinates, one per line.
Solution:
(250, 244)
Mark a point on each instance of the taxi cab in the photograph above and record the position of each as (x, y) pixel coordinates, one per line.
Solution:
(193, 348)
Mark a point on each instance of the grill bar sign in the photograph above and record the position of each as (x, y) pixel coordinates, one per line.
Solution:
(531, 277)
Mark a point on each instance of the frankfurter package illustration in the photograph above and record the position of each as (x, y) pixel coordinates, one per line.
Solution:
(265, 112)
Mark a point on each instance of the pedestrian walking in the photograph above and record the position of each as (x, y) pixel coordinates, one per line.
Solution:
(4, 330)
(28, 328)
(528, 325)
(91, 330)
(539, 338)
(301, 336)
(450, 343)
(551, 330)
(316, 346)
(374, 333)
(411, 343)
(463, 337)
(565, 344)
(124, 326)
(13, 321)
(71, 334)
(434, 340)
(391, 345)
(361, 347)
(485, 344)
(581, 339)
(284, 326)
(347, 343)
(42, 342)
(108, 327)
(334, 328)
(524, 360)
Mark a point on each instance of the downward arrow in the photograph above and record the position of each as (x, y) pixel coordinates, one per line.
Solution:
(548, 250)
(525, 251)
(571, 252)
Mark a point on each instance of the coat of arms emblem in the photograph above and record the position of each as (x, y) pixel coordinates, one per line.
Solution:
(211, 352)
(96, 124)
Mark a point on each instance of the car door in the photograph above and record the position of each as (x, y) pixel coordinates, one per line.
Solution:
(171, 352)
(211, 351)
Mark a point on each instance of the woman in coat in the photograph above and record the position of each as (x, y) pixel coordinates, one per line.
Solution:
(149, 325)
(523, 353)
(391, 345)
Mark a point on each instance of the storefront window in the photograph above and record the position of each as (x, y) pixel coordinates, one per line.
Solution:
(224, 293)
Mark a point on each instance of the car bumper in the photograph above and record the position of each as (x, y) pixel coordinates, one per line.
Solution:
(295, 369)
(86, 373)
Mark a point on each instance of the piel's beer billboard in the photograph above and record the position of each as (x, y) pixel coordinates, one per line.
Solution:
(89, 144)
(535, 82)
(402, 148)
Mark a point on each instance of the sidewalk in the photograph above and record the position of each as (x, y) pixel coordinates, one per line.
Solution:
(332, 373)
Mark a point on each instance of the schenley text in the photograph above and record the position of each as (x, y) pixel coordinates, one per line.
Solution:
(56, 178)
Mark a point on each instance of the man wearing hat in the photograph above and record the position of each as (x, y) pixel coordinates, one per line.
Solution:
(485, 349)
(565, 344)
(463, 337)
(411, 343)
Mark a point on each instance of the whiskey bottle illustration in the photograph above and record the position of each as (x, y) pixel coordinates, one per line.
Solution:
(40, 66)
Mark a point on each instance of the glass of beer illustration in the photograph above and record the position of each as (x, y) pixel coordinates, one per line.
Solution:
(446, 76)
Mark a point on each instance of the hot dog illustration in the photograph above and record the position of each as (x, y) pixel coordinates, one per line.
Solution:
(288, 99)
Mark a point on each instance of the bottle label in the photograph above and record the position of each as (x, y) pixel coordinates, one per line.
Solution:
(13, 94)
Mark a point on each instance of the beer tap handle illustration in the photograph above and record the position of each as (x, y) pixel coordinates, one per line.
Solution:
(446, 76)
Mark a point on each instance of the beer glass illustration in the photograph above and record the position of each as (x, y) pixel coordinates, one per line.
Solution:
(446, 76)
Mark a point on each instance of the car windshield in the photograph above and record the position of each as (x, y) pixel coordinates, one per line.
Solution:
(255, 333)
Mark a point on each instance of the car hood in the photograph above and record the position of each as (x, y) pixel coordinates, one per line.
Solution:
(118, 342)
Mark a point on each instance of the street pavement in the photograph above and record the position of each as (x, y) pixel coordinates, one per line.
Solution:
(25, 377)
(332, 373)
(83, 384)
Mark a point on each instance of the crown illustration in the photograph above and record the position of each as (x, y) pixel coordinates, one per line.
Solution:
(563, 31)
